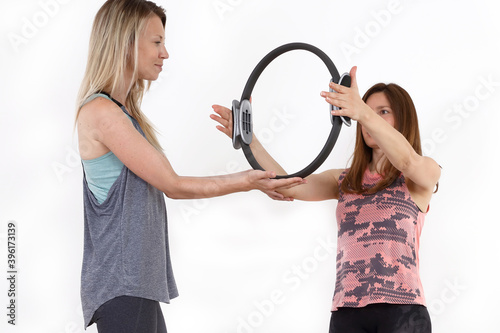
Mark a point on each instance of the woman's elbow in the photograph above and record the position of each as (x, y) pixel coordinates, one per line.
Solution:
(173, 187)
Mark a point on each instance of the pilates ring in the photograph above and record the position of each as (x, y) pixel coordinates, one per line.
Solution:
(242, 110)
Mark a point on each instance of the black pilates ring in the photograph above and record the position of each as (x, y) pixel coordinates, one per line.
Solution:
(242, 110)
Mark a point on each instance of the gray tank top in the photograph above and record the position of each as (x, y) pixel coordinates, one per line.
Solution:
(126, 248)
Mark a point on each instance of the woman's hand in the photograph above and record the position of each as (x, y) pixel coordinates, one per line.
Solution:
(224, 118)
(348, 99)
(263, 180)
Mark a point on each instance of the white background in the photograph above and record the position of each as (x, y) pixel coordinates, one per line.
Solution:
(234, 256)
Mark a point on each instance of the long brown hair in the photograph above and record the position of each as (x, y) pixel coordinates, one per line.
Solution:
(114, 46)
(406, 122)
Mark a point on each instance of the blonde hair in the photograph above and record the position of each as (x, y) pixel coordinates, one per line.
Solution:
(113, 47)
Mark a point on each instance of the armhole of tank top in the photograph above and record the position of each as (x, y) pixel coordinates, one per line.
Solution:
(89, 99)
(420, 211)
(342, 176)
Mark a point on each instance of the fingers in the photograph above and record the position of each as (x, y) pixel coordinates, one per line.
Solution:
(278, 196)
(339, 92)
(224, 117)
(219, 108)
(340, 89)
(222, 111)
(275, 195)
(287, 183)
(345, 98)
(352, 74)
(224, 122)
(283, 182)
(226, 127)
(269, 174)
(333, 98)
(225, 131)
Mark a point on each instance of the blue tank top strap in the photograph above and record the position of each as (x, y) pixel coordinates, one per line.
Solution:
(94, 96)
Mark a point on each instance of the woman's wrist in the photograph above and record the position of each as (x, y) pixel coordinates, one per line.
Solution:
(365, 115)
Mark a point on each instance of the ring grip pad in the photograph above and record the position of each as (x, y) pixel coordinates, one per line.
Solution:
(345, 80)
(242, 123)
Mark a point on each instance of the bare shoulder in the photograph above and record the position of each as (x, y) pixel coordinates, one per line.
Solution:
(434, 168)
(94, 120)
(423, 183)
(99, 110)
(424, 174)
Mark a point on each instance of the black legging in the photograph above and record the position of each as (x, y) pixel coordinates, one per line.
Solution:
(127, 314)
(381, 318)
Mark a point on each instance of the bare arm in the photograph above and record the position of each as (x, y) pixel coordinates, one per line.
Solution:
(104, 123)
(318, 187)
(422, 171)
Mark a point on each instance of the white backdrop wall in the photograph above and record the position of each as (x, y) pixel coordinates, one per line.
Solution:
(243, 262)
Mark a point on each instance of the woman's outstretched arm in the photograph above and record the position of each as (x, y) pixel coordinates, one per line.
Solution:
(107, 125)
(318, 187)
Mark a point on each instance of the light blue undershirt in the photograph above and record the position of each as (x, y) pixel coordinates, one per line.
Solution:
(102, 172)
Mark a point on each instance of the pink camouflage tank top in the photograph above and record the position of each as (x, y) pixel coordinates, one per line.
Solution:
(377, 246)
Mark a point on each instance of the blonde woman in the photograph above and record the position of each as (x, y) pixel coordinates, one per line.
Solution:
(126, 268)
(383, 199)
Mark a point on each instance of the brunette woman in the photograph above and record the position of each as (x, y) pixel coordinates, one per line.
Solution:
(383, 198)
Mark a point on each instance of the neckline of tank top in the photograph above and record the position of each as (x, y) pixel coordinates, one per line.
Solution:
(111, 98)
